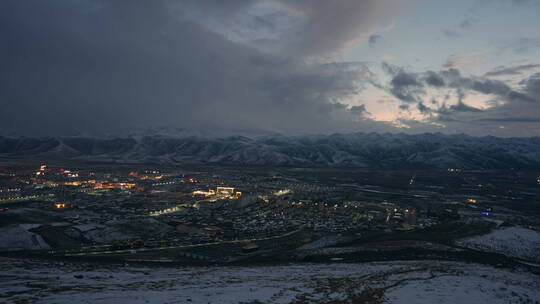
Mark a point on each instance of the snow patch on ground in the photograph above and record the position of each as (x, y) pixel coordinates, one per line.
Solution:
(324, 241)
(102, 234)
(483, 285)
(17, 237)
(25, 281)
(513, 241)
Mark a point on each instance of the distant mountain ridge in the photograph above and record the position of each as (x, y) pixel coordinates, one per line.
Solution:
(337, 150)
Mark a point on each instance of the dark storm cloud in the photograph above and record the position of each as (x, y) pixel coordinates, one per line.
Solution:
(374, 39)
(423, 108)
(487, 86)
(512, 111)
(433, 79)
(518, 113)
(404, 107)
(359, 110)
(453, 110)
(454, 79)
(404, 85)
(515, 70)
(462, 107)
(532, 86)
(77, 66)
(403, 79)
(410, 87)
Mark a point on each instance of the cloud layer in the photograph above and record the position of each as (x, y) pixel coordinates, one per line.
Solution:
(109, 66)
(84, 66)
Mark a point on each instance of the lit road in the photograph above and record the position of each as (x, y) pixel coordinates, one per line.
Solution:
(386, 192)
(179, 207)
(184, 246)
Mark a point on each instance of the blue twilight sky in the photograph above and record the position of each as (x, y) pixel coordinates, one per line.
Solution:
(288, 66)
(475, 37)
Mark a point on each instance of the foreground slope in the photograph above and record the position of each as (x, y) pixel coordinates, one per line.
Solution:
(393, 282)
(512, 241)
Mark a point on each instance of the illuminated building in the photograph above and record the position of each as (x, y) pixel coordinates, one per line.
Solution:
(220, 192)
(282, 192)
(42, 169)
(114, 185)
(225, 191)
(204, 193)
(61, 206)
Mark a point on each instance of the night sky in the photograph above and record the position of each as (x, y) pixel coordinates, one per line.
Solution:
(74, 67)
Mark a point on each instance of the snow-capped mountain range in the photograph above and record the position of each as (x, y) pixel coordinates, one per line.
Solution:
(340, 150)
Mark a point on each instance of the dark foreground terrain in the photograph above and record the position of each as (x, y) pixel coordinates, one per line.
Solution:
(26, 281)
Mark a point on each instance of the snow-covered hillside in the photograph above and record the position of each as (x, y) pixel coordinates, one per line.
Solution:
(356, 150)
(512, 241)
(17, 237)
(23, 281)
